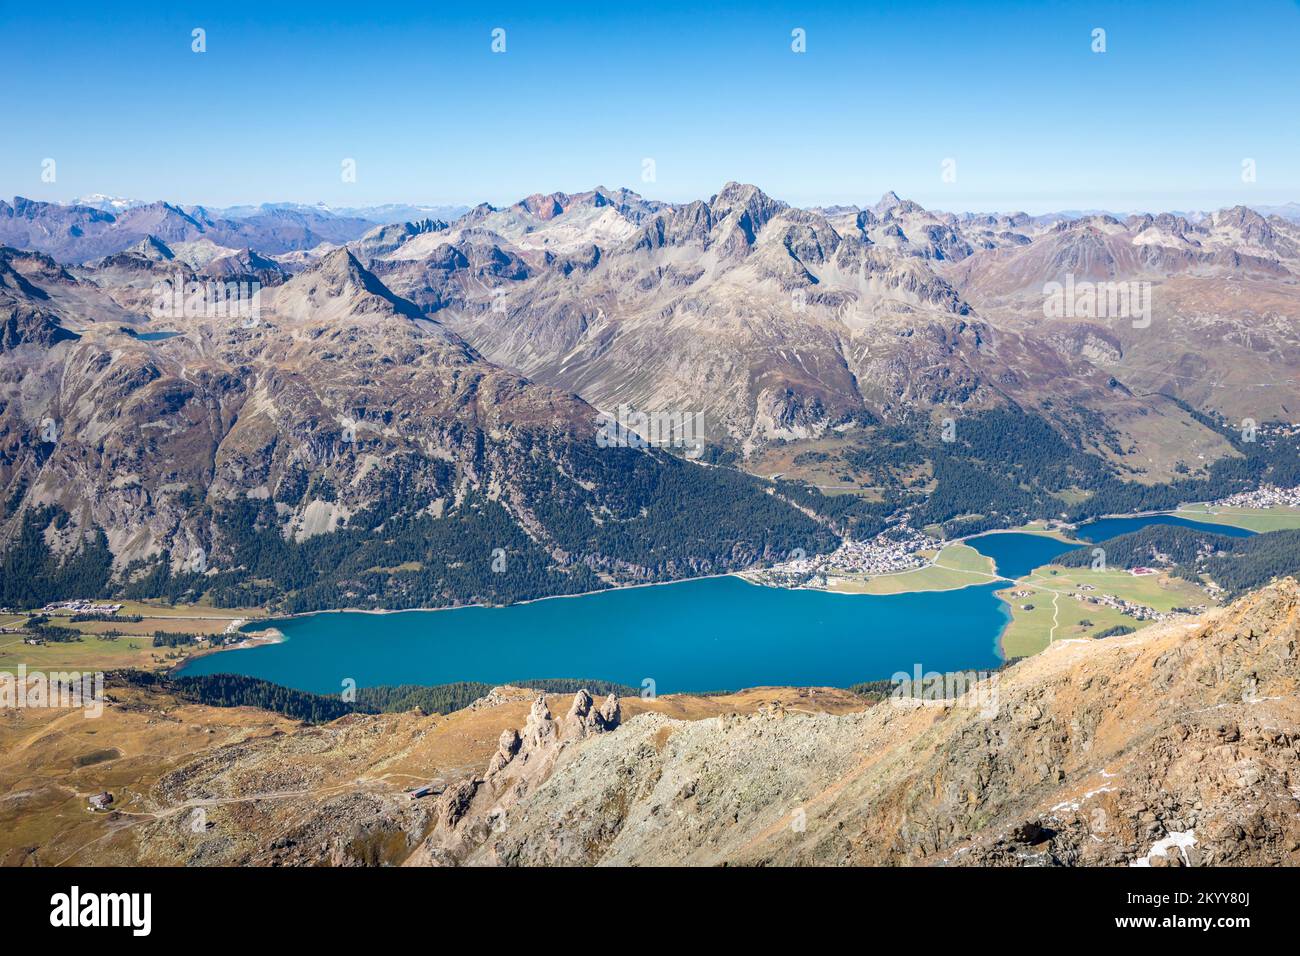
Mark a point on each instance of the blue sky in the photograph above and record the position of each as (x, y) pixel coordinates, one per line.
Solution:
(584, 93)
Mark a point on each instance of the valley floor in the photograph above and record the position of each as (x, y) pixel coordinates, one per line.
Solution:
(1279, 518)
(121, 642)
(1172, 746)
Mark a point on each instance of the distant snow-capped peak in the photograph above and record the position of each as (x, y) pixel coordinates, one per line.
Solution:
(108, 203)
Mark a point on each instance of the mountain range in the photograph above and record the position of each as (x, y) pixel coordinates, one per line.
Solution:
(383, 213)
(413, 396)
(78, 233)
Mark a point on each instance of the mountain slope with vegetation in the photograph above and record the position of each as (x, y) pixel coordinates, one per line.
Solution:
(412, 418)
(342, 451)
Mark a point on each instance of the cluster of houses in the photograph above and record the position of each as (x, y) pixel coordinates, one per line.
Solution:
(80, 606)
(1023, 593)
(898, 549)
(1266, 496)
(894, 550)
(1139, 611)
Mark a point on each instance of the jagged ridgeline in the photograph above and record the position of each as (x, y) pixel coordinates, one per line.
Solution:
(235, 690)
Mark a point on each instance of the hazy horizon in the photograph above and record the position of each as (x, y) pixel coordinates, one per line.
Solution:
(279, 100)
(468, 204)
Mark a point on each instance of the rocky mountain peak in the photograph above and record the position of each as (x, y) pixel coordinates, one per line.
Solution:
(745, 197)
(1239, 216)
(545, 207)
(1254, 228)
(340, 276)
(887, 202)
(153, 249)
(481, 211)
(343, 266)
(741, 210)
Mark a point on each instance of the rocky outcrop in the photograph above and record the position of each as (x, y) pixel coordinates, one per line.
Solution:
(1178, 745)
(586, 718)
(507, 747)
(473, 811)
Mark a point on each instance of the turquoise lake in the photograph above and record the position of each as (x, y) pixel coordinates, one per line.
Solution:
(1104, 528)
(1014, 554)
(709, 634)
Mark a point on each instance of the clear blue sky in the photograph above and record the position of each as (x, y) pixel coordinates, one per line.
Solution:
(885, 92)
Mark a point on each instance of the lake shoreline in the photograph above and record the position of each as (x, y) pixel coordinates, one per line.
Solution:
(1001, 581)
(1053, 533)
(705, 634)
(461, 607)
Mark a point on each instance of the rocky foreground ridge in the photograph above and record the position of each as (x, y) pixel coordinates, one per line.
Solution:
(1175, 745)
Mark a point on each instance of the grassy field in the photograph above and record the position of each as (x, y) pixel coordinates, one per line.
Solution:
(1036, 527)
(88, 654)
(133, 649)
(1028, 631)
(1058, 613)
(1253, 519)
(52, 760)
(956, 566)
